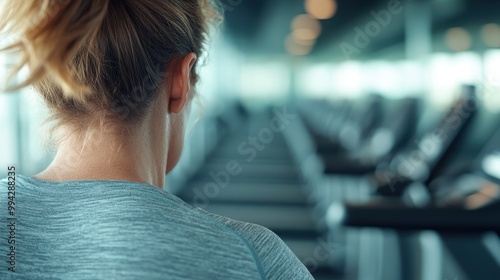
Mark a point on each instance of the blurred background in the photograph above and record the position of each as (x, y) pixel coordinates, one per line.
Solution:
(366, 134)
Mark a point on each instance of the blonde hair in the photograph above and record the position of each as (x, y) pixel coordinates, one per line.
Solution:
(99, 60)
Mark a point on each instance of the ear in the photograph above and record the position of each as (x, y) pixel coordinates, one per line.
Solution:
(181, 83)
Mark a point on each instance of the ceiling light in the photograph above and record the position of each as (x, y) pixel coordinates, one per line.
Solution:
(321, 9)
(458, 39)
(305, 28)
(491, 35)
(306, 21)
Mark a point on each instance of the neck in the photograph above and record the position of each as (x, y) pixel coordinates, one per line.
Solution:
(138, 156)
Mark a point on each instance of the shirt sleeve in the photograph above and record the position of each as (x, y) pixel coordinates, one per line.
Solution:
(277, 261)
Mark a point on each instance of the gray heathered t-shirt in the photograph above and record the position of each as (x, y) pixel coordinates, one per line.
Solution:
(128, 230)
